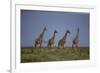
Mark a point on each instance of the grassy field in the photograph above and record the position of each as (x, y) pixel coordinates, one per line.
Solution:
(44, 54)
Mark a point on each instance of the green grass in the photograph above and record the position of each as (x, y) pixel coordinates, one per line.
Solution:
(44, 54)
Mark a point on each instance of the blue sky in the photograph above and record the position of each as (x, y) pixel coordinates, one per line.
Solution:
(33, 22)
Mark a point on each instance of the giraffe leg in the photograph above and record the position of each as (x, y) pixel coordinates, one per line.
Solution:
(72, 45)
(40, 45)
(48, 45)
(76, 45)
(63, 46)
(35, 44)
(39, 48)
(59, 44)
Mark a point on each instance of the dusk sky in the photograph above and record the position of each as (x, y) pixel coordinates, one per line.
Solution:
(33, 22)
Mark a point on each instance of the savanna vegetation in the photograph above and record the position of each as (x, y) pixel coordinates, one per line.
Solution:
(45, 54)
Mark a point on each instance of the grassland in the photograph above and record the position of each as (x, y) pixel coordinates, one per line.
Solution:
(44, 54)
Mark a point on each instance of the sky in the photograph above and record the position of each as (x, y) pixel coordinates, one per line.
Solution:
(33, 22)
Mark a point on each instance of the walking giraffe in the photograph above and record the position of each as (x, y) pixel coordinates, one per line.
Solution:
(62, 41)
(39, 40)
(51, 42)
(75, 41)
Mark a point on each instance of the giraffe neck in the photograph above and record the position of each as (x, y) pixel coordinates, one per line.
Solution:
(53, 37)
(42, 34)
(77, 35)
(65, 36)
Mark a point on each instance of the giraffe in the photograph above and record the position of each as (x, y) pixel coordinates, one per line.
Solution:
(51, 42)
(75, 40)
(62, 41)
(39, 40)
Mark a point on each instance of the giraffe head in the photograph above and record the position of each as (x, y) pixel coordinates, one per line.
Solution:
(55, 31)
(68, 31)
(77, 29)
(45, 28)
